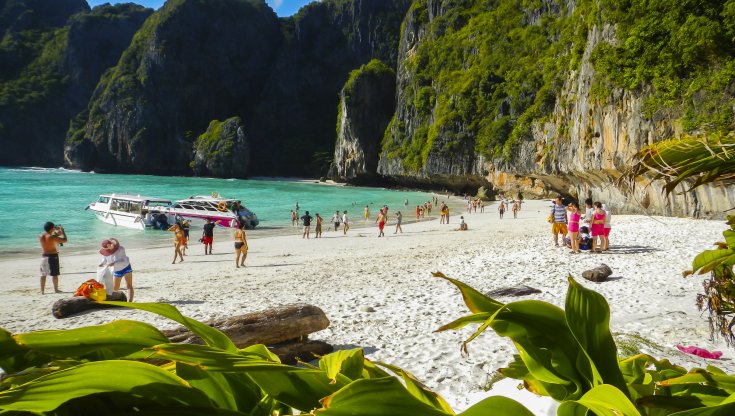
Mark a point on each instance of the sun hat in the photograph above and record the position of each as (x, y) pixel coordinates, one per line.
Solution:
(109, 246)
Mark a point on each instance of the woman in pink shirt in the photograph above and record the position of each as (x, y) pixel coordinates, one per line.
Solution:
(574, 217)
(598, 227)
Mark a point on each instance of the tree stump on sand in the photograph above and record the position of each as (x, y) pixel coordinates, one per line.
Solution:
(598, 274)
(287, 327)
(63, 308)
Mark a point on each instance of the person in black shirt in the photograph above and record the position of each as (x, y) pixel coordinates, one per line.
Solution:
(306, 220)
(208, 235)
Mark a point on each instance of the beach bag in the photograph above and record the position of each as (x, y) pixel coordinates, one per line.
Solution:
(550, 219)
(91, 289)
(104, 276)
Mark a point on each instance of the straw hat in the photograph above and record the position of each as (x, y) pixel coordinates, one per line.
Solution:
(109, 246)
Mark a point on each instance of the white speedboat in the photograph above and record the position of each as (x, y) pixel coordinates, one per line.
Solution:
(131, 211)
(224, 212)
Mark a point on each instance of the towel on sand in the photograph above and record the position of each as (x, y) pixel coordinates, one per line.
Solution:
(700, 352)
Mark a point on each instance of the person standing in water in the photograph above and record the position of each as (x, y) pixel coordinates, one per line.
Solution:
(336, 220)
(241, 247)
(294, 219)
(51, 236)
(319, 221)
(113, 255)
(208, 235)
(306, 220)
(345, 223)
(367, 213)
(399, 219)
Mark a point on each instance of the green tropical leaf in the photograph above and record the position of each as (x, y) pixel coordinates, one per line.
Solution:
(46, 393)
(345, 362)
(375, 397)
(477, 318)
(497, 406)
(213, 384)
(724, 382)
(209, 335)
(722, 410)
(602, 400)
(476, 302)
(209, 358)
(588, 318)
(708, 260)
(419, 390)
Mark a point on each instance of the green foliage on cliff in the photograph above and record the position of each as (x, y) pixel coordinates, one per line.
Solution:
(483, 72)
(375, 68)
(682, 50)
(215, 141)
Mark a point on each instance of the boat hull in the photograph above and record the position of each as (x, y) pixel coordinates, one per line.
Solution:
(133, 221)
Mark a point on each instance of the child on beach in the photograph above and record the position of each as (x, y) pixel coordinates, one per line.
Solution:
(606, 228)
(113, 255)
(598, 227)
(462, 224)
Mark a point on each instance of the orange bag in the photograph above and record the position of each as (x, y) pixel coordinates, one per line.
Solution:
(92, 289)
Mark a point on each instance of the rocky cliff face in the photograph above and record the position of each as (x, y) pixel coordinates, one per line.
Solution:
(191, 62)
(366, 106)
(52, 55)
(223, 150)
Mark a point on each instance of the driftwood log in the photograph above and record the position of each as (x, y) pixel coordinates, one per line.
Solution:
(66, 307)
(284, 329)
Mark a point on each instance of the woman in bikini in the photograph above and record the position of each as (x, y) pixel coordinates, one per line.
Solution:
(598, 227)
(179, 241)
(574, 217)
(241, 247)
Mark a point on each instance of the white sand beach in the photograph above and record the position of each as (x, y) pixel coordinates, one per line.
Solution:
(348, 275)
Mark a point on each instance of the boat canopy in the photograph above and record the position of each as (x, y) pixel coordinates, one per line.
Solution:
(136, 198)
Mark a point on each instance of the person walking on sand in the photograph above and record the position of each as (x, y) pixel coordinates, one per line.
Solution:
(367, 213)
(241, 247)
(598, 228)
(381, 222)
(179, 241)
(559, 221)
(516, 208)
(399, 220)
(501, 209)
(319, 221)
(185, 228)
(336, 220)
(589, 211)
(208, 235)
(574, 217)
(345, 223)
(113, 255)
(306, 221)
(52, 235)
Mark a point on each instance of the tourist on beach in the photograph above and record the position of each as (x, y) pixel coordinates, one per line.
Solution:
(113, 255)
(399, 220)
(345, 223)
(482, 206)
(559, 221)
(208, 235)
(442, 213)
(574, 217)
(52, 235)
(179, 241)
(462, 224)
(598, 228)
(418, 212)
(606, 228)
(501, 209)
(367, 213)
(297, 208)
(294, 219)
(589, 211)
(185, 228)
(241, 247)
(381, 222)
(469, 206)
(405, 203)
(428, 208)
(516, 208)
(336, 220)
(319, 221)
(306, 221)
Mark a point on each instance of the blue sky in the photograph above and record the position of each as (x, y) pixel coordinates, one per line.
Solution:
(282, 7)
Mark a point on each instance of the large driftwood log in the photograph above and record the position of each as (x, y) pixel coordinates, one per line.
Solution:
(63, 308)
(271, 326)
(305, 350)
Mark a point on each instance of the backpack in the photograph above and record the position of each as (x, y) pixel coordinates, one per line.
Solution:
(92, 289)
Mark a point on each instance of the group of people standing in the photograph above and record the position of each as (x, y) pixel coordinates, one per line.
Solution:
(568, 219)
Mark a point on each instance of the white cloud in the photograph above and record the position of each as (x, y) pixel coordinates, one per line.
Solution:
(277, 4)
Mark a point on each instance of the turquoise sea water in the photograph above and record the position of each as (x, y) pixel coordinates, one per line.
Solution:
(31, 196)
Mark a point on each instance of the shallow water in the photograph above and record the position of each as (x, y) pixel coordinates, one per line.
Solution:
(31, 196)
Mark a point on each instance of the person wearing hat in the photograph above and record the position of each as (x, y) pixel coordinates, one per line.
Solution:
(113, 255)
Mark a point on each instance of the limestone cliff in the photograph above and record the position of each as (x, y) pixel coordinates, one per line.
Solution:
(223, 150)
(366, 106)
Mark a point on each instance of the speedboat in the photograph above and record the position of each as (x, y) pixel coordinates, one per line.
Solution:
(224, 212)
(131, 211)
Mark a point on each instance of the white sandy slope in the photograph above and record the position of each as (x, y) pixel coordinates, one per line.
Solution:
(344, 275)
